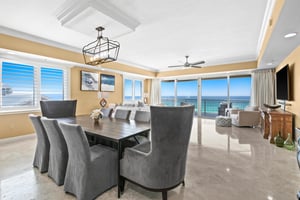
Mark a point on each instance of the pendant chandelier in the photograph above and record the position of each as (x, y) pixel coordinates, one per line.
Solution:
(101, 50)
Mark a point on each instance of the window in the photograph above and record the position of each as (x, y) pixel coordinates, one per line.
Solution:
(232, 91)
(24, 85)
(133, 89)
(52, 84)
(168, 92)
(178, 92)
(17, 85)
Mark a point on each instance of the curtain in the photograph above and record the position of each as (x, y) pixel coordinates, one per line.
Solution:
(155, 92)
(263, 87)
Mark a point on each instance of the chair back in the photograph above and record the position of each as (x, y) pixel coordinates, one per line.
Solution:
(58, 108)
(39, 129)
(56, 138)
(77, 143)
(41, 157)
(58, 157)
(142, 116)
(122, 114)
(106, 112)
(170, 135)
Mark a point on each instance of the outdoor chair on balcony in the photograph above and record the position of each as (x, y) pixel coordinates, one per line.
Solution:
(222, 107)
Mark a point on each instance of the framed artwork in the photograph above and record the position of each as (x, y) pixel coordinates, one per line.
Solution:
(107, 83)
(89, 81)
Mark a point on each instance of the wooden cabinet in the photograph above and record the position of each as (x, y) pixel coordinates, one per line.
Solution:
(278, 120)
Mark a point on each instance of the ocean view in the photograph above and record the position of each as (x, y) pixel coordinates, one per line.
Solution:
(210, 104)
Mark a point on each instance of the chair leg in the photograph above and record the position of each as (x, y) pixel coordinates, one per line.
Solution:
(183, 183)
(165, 195)
(298, 195)
(122, 184)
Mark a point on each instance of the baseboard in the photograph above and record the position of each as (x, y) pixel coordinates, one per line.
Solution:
(17, 138)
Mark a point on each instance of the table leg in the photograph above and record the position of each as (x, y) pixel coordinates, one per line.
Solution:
(119, 178)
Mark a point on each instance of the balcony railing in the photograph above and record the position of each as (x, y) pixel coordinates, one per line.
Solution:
(209, 107)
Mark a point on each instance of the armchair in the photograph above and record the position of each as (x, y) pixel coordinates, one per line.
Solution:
(160, 165)
(249, 117)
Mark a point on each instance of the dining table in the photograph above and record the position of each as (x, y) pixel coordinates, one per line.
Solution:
(110, 129)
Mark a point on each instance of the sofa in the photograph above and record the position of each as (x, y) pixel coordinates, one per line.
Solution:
(249, 117)
(130, 106)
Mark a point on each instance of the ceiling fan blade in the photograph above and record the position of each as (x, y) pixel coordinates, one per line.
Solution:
(196, 66)
(198, 63)
(176, 66)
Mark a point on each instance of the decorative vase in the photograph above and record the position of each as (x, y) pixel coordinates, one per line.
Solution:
(279, 141)
(288, 143)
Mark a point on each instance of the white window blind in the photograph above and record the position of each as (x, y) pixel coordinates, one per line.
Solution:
(52, 84)
(17, 85)
(24, 85)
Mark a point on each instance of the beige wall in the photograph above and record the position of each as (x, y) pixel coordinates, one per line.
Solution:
(18, 124)
(87, 100)
(15, 125)
(210, 69)
(294, 66)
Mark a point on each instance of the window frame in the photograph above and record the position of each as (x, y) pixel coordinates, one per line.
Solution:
(133, 80)
(37, 84)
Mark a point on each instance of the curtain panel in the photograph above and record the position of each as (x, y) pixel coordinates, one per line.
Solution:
(263, 87)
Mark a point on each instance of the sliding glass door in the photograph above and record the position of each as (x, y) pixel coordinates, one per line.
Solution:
(168, 93)
(179, 92)
(187, 93)
(224, 92)
(214, 94)
(240, 91)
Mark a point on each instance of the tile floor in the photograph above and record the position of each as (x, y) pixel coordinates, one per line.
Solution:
(227, 163)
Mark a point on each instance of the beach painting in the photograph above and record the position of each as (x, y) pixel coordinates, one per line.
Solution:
(89, 81)
(107, 83)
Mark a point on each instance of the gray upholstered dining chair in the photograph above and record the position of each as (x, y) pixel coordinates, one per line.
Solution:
(91, 170)
(58, 157)
(122, 114)
(142, 116)
(58, 108)
(41, 156)
(160, 165)
(106, 112)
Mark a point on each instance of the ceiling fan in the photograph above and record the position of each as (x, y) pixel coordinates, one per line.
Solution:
(187, 64)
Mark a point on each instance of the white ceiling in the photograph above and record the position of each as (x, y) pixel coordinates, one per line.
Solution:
(153, 34)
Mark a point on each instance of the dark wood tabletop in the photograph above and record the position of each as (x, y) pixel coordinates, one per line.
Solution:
(110, 128)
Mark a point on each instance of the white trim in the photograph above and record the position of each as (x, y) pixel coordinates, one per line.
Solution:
(265, 25)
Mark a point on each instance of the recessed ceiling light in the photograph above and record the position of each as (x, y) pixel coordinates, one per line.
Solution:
(289, 35)
(269, 63)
